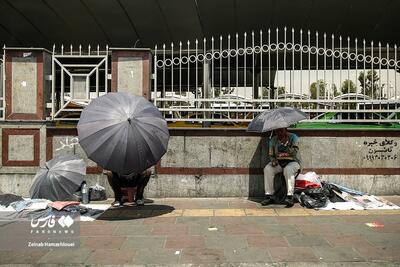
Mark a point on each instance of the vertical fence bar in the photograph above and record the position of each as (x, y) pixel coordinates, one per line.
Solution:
(364, 66)
(340, 61)
(395, 73)
(261, 65)
(188, 68)
(301, 62)
(380, 69)
(212, 68)
(316, 67)
(348, 74)
(284, 63)
(106, 71)
(292, 86)
(154, 77)
(277, 65)
(269, 65)
(326, 94)
(356, 62)
(53, 84)
(333, 64)
(372, 71)
(253, 59)
(197, 77)
(97, 82)
(180, 71)
(244, 70)
(172, 70)
(163, 73)
(387, 73)
(309, 62)
(237, 69)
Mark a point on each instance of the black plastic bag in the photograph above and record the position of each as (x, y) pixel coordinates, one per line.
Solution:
(97, 193)
(312, 202)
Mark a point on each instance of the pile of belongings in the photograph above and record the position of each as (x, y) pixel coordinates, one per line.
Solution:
(313, 193)
(13, 207)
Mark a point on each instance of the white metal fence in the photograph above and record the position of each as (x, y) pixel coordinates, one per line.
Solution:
(77, 77)
(233, 78)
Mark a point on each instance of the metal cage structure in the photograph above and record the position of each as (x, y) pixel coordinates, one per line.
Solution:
(77, 77)
(234, 78)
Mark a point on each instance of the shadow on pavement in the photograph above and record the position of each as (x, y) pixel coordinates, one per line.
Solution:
(130, 212)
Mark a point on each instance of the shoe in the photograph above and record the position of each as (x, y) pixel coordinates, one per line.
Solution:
(267, 201)
(117, 204)
(140, 202)
(289, 201)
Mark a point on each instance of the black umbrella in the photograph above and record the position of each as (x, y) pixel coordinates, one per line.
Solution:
(59, 179)
(275, 119)
(123, 133)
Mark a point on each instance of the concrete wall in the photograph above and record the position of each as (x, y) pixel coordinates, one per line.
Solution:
(222, 163)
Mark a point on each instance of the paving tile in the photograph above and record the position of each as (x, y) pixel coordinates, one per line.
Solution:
(389, 219)
(243, 229)
(229, 212)
(345, 240)
(193, 220)
(359, 219)
(384, 239)
(129, 213)
(292, 212)
(110, 242)
(260, 212)
(144, 242)
(280, 230)
(21, 256)
(157, 256)
(352, 229)
(297, 254)
(185, 241)
(66, 256)
(226, 220)
(127, 230)
(370, 252)
(247, 255)
(95, 230)
(160, 220)
(325, 219)
(263, 241)
(260, 220)
(198, 212)
(242, 205)
(310, 229)
(388, 228)
(111, 256)
(337, 254)
(206, 230)
(199, 256)
(170, 229)
(172, 213)
(292, 220)
(226, 242)
(307, 241)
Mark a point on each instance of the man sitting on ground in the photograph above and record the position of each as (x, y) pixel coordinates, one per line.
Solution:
(283, 152)
(117, 181)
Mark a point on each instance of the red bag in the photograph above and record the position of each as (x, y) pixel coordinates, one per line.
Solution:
(307, 180)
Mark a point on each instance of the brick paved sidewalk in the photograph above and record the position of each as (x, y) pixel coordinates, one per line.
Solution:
(228, 232)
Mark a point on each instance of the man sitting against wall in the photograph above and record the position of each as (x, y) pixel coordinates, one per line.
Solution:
(283, 152)
(118, 181)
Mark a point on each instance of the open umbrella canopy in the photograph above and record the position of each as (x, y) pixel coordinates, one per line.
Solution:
(123, 133)
(59, 179)
(275, 119)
